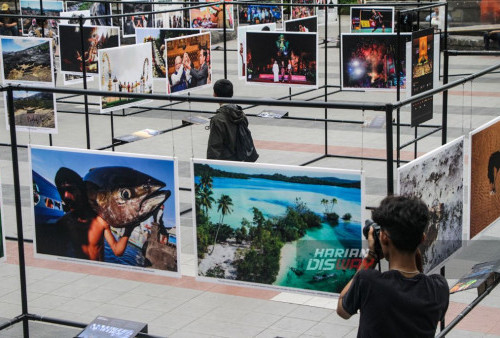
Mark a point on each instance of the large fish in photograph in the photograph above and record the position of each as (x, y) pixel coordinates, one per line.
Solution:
(108, 207)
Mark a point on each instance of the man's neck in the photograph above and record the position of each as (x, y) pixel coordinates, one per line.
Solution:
(403, 262)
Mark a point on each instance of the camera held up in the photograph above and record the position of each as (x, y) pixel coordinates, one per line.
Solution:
(376, 231)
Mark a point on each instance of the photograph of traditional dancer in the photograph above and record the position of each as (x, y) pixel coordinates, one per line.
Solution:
(282, 58)
(259, 14)
(95, 38)
(303, 11)
(125, 69)
(188, 60)
(369, 61)
(211, 16)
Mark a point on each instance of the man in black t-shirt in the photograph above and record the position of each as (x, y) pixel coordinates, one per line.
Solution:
(401, 302)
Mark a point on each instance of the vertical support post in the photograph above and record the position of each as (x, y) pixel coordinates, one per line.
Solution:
(43, 21)
(112, 133)
(442, 322)
(326, 76)
(398, 91)
(50, 140)
(444, 135)
(19, 216)
(389, 145)
(84, 69)
(416, 143)
(225, 39)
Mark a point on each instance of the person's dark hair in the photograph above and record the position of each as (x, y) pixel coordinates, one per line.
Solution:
(404, 219)
(68, 176)
(223, 88)
(265, 29)
(204, 52)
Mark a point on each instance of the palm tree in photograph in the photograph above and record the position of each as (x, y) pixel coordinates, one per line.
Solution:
(206, 199)
(224, 204)
(206, 181)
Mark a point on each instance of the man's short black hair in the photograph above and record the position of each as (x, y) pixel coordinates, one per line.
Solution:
(223, 88)
(404, 218)
(204, 52)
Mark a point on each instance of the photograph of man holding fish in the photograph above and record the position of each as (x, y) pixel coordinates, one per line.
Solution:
(108, 207)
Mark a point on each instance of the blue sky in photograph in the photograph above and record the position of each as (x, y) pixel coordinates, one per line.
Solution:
(15, 45)
(48, 5)
(47, 162)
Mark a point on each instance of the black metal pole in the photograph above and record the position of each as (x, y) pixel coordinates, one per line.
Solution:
(442, 323)
(84, 69)
(225, 39)
(415, 145)
(112, 132)
(50, 140)
(326, 77)
(445, 77)
(398, 93)
(389, 146)
(43, 21)
(19, 215)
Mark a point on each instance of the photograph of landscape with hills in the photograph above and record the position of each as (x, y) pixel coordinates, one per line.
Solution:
(33, 110)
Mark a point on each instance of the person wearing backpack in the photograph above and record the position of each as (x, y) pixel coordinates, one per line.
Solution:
(229, 139)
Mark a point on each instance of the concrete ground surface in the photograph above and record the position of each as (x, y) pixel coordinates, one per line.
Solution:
(185, 307)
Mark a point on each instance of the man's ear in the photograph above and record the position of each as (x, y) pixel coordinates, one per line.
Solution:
(384, 239)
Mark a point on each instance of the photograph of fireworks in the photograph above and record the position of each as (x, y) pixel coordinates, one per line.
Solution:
(168, 19)
(282, 58)
(437, 178)
(157, 37)
(302, 11)
(372, 19)
(242, 43)
(484, 176)
(130, 23)
(369, 61)
(26, 60)
(259, 14)
(33, 111)
(305, 25)
(95, 38)
(422, 55)
(211, 16)
(188, 62)
(95, 9)
(125, 69)
(33, 27)
(107, 208)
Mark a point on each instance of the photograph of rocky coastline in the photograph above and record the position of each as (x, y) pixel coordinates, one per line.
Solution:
(280, 226)
(438, 179)
(26, 60)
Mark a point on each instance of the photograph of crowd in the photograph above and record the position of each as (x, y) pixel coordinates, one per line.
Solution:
(33, 27)
(95, 38)
(168, 19)
(369, 61)
(26, 60)
(111, 208)
(125, 69)
(306, 25)
(372, 19)
(130, 23)
(282, 58)
(33, 111)
(259, 14)
(188, 62)
(95, 9)
(157, 37)
(242, 43)
(302, 11)
(211, 16)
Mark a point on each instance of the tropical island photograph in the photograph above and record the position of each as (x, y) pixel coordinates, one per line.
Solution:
(266, 224)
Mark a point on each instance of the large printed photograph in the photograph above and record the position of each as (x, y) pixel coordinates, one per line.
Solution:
(372, 19)
(189, 62)
(369, 61)
(270, 224)
(484, 176)
(242, 44)
(94, 38)
(422, 76)
(302, 11)
(260, 14)
(125, 69)
(26, 60)
(106, 207)
(211, 16)
(286, 58)
(130, 23)
(437, 178)
(157, 37)
(95, 9)
(33, 27)
(306, 25)
(168, 19)
(33, 111)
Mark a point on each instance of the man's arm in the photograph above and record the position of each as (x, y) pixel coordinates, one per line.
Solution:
(368, 262)
(176, 76)
(215, 142)
(200, 74)
(119, 246)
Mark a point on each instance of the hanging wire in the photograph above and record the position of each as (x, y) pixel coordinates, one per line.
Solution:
(463, 106)
(172, 128)
(363, 140)
(470, 120)
(191, 127)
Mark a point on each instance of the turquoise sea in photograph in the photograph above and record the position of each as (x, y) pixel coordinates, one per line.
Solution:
(275, 197)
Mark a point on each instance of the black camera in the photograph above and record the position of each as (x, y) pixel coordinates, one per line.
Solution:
(376, 231)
